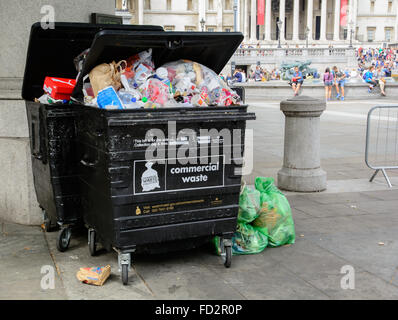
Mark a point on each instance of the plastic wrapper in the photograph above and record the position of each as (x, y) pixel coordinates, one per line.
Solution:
(275, 213)
(95, 275)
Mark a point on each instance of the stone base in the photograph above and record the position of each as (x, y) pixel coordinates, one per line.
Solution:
(298, 180)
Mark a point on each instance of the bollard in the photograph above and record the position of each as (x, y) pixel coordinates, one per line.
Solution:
(301, 171)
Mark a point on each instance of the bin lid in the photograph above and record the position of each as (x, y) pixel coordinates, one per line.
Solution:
(212, 49)
(51, 51)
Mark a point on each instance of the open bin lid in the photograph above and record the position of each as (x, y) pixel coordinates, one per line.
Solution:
(51, 51)
(212, 49)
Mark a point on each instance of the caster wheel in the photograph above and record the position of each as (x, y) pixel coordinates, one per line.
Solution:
(63, 239)
(92, 246)
(125, 274)
(226, 254)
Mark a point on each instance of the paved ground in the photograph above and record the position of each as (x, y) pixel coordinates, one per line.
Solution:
(354, 223)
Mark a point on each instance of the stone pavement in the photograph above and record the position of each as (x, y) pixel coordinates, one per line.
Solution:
(354, 223)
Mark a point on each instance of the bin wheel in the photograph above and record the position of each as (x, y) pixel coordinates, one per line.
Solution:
(125, 274)
(228, 257)
(226, 253)
(63, 239)
(92, 246)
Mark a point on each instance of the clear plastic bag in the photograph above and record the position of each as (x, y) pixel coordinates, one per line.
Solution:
(199, 83)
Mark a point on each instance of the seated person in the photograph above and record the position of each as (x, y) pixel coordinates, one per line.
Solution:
(297, 81)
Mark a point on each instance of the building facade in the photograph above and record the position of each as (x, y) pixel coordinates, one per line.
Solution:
(292, 22)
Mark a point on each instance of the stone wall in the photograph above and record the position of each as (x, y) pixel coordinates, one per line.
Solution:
(279, 90)
(17, 196)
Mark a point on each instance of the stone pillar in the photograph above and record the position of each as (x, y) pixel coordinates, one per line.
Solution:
(268, 20)
(396, 23)
(296, 22)
(140, 12)
(301, 171)
(324, 17)
(246, 25)
(219, 10)
(336, 32)
(355, 15)
(310, 18)
(202, 12)
(238, 27)
(282, 7)
(253, 20)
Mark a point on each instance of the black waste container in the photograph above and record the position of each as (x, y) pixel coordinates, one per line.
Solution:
(52, 126)
(130, 199)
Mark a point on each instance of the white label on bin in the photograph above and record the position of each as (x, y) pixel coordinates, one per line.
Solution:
(166, 175)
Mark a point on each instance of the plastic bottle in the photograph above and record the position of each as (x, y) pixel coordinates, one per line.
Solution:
(125, 82)
(133, 104)
(125, 96)
(132, 93)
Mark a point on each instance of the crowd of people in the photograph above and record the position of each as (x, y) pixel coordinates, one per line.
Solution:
(259, 74)
(374, 66)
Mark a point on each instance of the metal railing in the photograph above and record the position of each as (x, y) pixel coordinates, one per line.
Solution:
(381, 151)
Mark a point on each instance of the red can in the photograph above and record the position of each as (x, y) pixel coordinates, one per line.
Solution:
(59, 88)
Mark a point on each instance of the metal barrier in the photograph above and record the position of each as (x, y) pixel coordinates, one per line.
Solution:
(381, 152)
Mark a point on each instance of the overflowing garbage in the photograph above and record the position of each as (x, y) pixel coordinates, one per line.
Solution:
(136, 83)
(264, 219)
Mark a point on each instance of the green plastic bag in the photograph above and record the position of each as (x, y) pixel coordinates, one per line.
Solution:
(249, 205)
(275, 214)
(246, 240)
(249, 240)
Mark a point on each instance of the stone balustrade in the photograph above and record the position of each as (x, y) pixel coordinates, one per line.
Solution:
(322, 56)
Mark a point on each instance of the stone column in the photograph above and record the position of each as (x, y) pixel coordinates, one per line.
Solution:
(336, 32)
(296, 22)
(140, 12)
(301, 171)
(354, 17)
(396, 23)
(310, 18)
(219, 10)
(246, 25)
(201, 11)
(238, 17)
(268, 20)
(324, 17)
(253, 20)
(282, 7)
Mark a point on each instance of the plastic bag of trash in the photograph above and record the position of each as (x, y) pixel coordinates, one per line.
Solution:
(275, 213)
(195, 83)
(246, 240)
(249, 205)
(249, 239)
